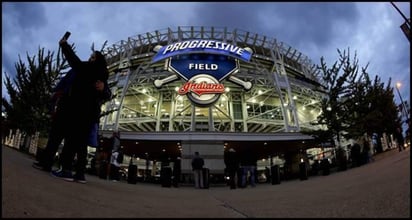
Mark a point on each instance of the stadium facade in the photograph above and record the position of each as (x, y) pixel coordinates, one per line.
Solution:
(178, 91)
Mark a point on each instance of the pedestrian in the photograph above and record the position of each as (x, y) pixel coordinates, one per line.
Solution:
(102, 161)
(408, 131)
(116, 161)
(325, 165)
(164, 159)
(400, 141)
(231, 160)
(341, 159)
(115, 145)
(115, 140)
(166, 172)
(249, 163)
(83, 110)
(177, 170)
(197, 167)
(58, 112)
(132, 171)
(315, 167)
(267, 174)
(356, 155)
(367, 151)
(56, 133)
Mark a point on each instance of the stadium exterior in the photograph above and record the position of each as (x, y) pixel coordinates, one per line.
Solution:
(267, 100)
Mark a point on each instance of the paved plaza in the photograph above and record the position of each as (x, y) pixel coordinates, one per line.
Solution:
(380, 189)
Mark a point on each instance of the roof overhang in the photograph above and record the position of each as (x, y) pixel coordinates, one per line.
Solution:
(207, 136)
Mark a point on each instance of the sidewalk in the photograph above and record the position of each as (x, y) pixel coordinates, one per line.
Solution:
(380, 189)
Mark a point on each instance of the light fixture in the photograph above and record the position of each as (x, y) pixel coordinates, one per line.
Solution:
(157, 48)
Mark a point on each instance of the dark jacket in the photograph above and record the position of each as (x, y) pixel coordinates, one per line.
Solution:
(63, 89)
(249, 158)
(197, 163)
(231, 161)
(83, 98)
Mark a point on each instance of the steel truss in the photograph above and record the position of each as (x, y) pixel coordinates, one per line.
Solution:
(285, 95)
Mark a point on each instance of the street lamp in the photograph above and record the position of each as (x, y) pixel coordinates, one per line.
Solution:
(406, 26)
(400, 12)
(398, 85)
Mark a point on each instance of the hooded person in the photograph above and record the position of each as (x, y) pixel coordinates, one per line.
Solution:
(83, 105)
(58, 111)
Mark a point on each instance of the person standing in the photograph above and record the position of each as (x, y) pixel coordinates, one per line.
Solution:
(177, 170)
(83, 110)
(232, 165)
(132, 171)
(197, 167)
(165, 169)
(102, 161)
(58, 113)
(249, 164)
(56, 132)
(115, 139)
(399, 139)
(367, 152)
(115, 146)
(116, 161)
(356, 155)
(267, 175)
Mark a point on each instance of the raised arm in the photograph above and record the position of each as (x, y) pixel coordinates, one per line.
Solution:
(69, 54)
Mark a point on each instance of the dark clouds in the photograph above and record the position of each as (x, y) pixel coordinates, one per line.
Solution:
(229, 15)
(314, 28)
(20, 20)
(296, 24)
(26, 16)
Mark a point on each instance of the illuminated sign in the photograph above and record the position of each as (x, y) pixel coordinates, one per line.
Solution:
(203, 64)
(202, 46)
(192, 64)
